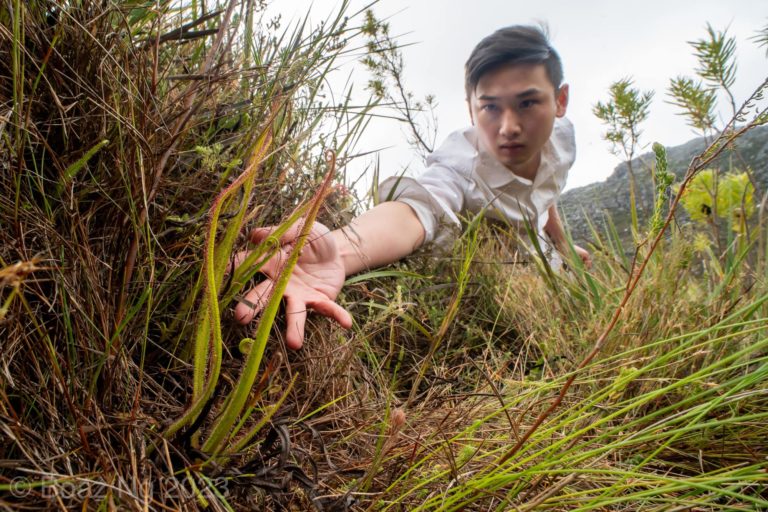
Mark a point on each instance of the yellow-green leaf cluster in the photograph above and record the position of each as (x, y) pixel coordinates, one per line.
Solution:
(731, 198)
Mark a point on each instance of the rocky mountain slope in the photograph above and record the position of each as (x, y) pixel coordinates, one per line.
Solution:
(611, 197)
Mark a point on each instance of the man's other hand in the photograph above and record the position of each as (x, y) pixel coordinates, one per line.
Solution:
(584, 255)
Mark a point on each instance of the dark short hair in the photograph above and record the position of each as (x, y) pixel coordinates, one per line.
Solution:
(518, 44)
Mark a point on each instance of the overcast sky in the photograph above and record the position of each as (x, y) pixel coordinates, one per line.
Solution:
(599, 42)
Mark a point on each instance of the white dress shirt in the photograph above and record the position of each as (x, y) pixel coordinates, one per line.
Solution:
(462, 179)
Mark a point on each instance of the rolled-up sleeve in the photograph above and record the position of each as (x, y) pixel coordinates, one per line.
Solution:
(436, 198)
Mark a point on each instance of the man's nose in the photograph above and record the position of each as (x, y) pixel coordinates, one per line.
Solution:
(510, 124)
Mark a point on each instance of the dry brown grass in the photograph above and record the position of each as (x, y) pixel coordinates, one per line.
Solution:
(100, 265)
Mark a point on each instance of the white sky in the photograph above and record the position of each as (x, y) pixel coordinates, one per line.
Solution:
(599, 42)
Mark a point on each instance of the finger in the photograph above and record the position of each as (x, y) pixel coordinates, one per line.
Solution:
(258, 235)
(333, 311)
(237, 260)
(318, 230)
(253, 302)
(295, 319)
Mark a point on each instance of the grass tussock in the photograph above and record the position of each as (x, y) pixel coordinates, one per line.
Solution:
(140, 141)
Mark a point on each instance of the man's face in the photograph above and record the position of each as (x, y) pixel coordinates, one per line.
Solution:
(514, 109)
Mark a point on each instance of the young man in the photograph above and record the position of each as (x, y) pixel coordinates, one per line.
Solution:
(513, 162)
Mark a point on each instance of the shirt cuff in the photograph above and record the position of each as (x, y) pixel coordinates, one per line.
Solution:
(439, 222)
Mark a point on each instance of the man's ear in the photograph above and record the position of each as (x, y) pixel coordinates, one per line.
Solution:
(469, 109)
(561, 98)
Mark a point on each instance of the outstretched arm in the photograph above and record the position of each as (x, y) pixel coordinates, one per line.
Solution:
(555, 231)
(380, 236)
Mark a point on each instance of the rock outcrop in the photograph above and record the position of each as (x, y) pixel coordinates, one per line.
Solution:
(611, 197)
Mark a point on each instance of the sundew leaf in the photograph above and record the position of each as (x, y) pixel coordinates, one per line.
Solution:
(73, 169)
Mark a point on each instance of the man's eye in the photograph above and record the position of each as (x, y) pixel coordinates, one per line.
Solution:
(528, 103)
(489, 107)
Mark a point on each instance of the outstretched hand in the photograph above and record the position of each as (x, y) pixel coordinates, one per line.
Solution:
(315, 283)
